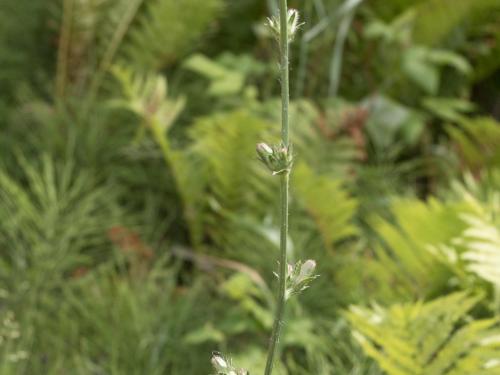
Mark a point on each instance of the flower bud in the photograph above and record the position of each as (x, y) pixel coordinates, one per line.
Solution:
(219, 362)
(299, 276)
(293, 24)
(278, 158)
(223, 366)
(264, 150)
(307, 269)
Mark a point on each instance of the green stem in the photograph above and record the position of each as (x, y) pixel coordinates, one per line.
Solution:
(338, 54)
(111, 50)
(285, 87)
(63, 51)
(285, 178)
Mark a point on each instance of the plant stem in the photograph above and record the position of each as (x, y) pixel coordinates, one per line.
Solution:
(285, 87)
(285, 178)
(338, 54)
(111, 50)
(64, 45)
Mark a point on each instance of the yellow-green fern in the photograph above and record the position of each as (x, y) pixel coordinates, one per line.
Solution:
(328, 203)
(434, 338)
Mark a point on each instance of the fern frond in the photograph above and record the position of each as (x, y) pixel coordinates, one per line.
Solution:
(95, 34)
(146, 95)
(167, 29)
(227, 143)
(327, 202)
(217, 175)
(97, 305)
(482, 243)
(322, 139)
(234, 182)
(50, 219)
(407, 244)
(429, 338)
(478, 141)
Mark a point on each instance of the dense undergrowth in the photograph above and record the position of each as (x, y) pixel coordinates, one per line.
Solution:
(138, 232)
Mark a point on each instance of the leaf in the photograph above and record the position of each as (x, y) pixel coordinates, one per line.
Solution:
(444, 57)
(449, 109)
(241, 288)
(406, 244)
(254, 359)
(327, 202)
(482, 242)
(167, 29)
(422, 66)
(223, 80)
(389, 119)
(478, 140)
(428, 338)
(207, 333)
(53, 217)
(420, 70)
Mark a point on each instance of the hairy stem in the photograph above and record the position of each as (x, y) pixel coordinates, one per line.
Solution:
(285, 178)
(285, 86)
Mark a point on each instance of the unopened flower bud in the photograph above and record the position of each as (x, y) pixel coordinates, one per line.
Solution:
(307, 269)
(293, 24)
(219, 362)
(264, 150)
(223, 366)
(299, 277)
(278, 158)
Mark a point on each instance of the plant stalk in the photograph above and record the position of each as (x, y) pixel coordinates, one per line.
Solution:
(285, 179)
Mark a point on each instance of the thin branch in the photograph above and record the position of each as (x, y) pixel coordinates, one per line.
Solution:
(113, 47)
(207, 262)
(63, 51)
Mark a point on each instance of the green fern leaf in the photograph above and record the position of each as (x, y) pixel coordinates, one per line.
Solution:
(433, 338)
(482, 242)
(167, 29)
(233, 180)
(479, 142)
(50, 219)
(327, 202)
(407, 244)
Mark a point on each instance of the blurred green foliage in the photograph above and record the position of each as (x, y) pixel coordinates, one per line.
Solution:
(138, 232)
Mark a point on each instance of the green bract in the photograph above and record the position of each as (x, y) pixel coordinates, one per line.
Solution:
(293, 22)
(223, 366)
(299, 276)
(278, 158)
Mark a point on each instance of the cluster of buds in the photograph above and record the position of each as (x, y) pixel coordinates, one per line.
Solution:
(293, 22)
(299, 276)
(223, 366)
(278, 159)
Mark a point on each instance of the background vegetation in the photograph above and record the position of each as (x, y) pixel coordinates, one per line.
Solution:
(138, 231)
